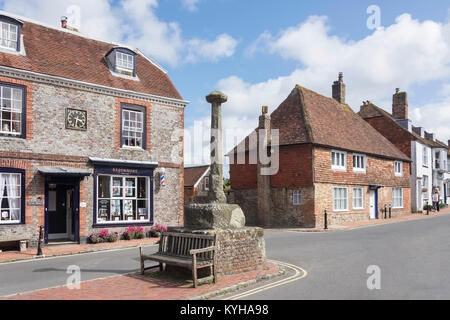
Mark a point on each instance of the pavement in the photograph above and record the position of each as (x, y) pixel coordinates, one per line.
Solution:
(152, 285)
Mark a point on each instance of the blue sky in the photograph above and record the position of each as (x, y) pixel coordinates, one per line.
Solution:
(256, 51)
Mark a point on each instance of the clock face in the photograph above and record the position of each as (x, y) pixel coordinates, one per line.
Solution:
(76, 119)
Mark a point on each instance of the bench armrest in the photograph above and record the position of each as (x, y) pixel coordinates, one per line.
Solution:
(195, 251)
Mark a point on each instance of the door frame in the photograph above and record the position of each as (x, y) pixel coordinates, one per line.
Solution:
(75, 183)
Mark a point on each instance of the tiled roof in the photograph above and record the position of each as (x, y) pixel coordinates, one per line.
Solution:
(308, 117)
(193, 174)
(372, 111)
(66, 54)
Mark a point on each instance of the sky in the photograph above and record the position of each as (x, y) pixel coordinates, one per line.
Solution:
(257, 51)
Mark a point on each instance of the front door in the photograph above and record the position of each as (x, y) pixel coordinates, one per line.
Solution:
(62, 219)
(372, 204)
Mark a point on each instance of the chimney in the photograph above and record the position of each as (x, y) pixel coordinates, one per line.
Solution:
(264, 119)
(339, 89)
(400, 105)
(448, 143)
(64, 22)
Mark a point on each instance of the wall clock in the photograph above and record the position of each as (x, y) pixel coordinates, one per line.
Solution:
(76, 119)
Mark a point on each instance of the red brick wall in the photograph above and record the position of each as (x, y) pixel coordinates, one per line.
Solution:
(243, 176)
(295, 167)
(391, 131)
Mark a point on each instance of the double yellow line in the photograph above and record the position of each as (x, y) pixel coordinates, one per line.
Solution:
(299, 273)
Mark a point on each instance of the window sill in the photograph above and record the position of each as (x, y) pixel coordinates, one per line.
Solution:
(359, 171)
(345, 210)
(132, 148)
(340, 169)
(121, 224)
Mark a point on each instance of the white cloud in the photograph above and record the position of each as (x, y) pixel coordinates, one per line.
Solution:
(132, 22)
(405, 53)
(190, 5)
(223, 47)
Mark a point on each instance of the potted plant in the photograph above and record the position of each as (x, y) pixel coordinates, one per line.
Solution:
(156, 230)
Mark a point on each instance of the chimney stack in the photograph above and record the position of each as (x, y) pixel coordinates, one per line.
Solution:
(400, 105)
(339, 89)
(64, 22)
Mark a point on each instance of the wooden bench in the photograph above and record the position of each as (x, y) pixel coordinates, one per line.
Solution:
(22, 243)
(186, 250)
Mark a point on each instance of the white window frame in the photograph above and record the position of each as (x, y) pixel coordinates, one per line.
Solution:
(338, 165)
(124, 62)
(134, 129)
(112, 198)
(14, 109)
(296, 197)
(397, 197)
(362, 160)
(335, 209)
(398, 165)
(8, 37)
(355, 207)
(18, 199)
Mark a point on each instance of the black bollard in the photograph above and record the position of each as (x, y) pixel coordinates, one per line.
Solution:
(325, 222)
(390, 211)
(385, 211)
(39, 250)
(428, 209)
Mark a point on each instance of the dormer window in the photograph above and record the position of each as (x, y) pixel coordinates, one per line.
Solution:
(122, 62)
(10, 33)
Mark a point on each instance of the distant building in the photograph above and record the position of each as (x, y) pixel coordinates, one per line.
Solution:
(428, 155)
(196, 184)
(329, 159)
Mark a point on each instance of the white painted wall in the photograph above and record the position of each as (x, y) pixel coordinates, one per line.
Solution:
(419, 170)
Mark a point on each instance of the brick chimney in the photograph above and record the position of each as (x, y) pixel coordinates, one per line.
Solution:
(339, 89)
(400, 105)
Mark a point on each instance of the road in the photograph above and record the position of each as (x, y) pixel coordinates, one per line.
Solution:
(413, 258)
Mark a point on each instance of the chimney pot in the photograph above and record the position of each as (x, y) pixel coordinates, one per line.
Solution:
(338, 89)
(64, 22)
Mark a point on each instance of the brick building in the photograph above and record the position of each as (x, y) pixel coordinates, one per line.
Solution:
(428, 155)
(329, 159)
(87, 129)
(196, 184)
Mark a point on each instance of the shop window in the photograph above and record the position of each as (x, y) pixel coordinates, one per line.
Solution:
(122, 199)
